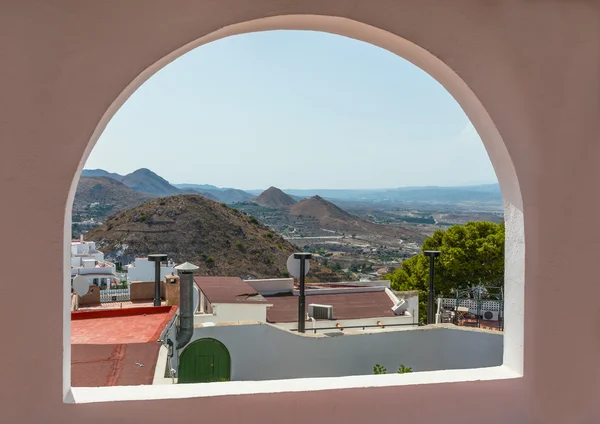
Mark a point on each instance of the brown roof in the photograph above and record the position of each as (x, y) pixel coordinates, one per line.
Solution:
(350, 305)
(227, 290)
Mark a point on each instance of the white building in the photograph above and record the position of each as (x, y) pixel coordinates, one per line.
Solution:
(143, 270)
(88, 261)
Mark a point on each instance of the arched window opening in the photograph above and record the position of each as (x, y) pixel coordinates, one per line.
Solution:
(368, 164)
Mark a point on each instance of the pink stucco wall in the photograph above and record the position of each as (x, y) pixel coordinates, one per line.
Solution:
(533, 66)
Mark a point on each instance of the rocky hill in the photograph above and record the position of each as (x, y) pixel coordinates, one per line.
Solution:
(106, 195)
(319, 213)
(274, 198)
(219, 239)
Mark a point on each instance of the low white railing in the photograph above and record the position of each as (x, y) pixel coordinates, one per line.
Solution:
(485, 305)
(115, 295)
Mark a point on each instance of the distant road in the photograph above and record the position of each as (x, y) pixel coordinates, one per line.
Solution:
(317, 237)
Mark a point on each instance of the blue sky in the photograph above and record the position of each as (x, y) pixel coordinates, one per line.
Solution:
(294, 109)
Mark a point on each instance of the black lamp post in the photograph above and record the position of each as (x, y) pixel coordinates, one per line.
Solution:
(157, 259)
(303, 257)
(431, 293)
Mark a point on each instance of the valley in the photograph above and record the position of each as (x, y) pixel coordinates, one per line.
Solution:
(360, 234)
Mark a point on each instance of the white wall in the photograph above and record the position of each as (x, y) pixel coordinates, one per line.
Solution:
(264, 352)
(345, 323)
(143, 270)
(231, 312)
(272, 285)
(413, 302)
(164, 360)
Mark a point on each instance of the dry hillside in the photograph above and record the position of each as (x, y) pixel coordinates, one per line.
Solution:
(217, 238)
(330, 217)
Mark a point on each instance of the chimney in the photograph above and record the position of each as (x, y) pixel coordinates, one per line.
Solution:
(157, 258)
(172, 290)
(81, 238)
(186, 303)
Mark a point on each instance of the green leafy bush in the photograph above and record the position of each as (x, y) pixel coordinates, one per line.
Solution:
(379, 369)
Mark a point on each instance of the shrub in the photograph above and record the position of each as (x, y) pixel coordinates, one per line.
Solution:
(402, 369)
(379, 369)
(253, 220)
(269, 234)
(239, 245)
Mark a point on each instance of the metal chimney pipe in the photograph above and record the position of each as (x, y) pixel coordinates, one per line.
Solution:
(431, 293)
(186, 303)
(157, 259)
(303, 257)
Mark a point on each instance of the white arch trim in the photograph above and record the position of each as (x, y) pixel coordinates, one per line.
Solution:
(501, 161)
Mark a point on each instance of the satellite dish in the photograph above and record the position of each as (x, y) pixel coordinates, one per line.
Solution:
(293, 266)
(81, 285)
(196, 298)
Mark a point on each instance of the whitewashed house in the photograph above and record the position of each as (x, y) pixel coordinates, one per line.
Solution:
(143, 270)
(88, 261)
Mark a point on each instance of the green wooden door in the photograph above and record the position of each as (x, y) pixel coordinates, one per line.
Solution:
(203, 361)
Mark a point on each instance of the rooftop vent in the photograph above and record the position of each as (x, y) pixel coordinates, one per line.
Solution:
(320, 311)
(400, 307)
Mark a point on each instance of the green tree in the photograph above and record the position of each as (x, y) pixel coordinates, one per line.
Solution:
(471, 255)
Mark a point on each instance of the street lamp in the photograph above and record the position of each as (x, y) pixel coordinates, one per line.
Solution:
(431, 293)
(157, 259)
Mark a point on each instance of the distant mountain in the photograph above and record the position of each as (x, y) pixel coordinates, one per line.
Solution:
(142, 180)
(219, 239)
(149, 182)
(145, 181)
(110, 195)
(330, 217)
(197, 187)
(225, 195)
(274, 198)
(101, 173)
(229, 195)
(207, 196)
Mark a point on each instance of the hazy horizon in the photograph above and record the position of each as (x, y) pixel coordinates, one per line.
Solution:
(309, 110)
(296, 188)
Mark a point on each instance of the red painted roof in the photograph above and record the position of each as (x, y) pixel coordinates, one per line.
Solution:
(117, 326)
(227, 290)
(350, 305)
(116, 347)
(98, 365)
